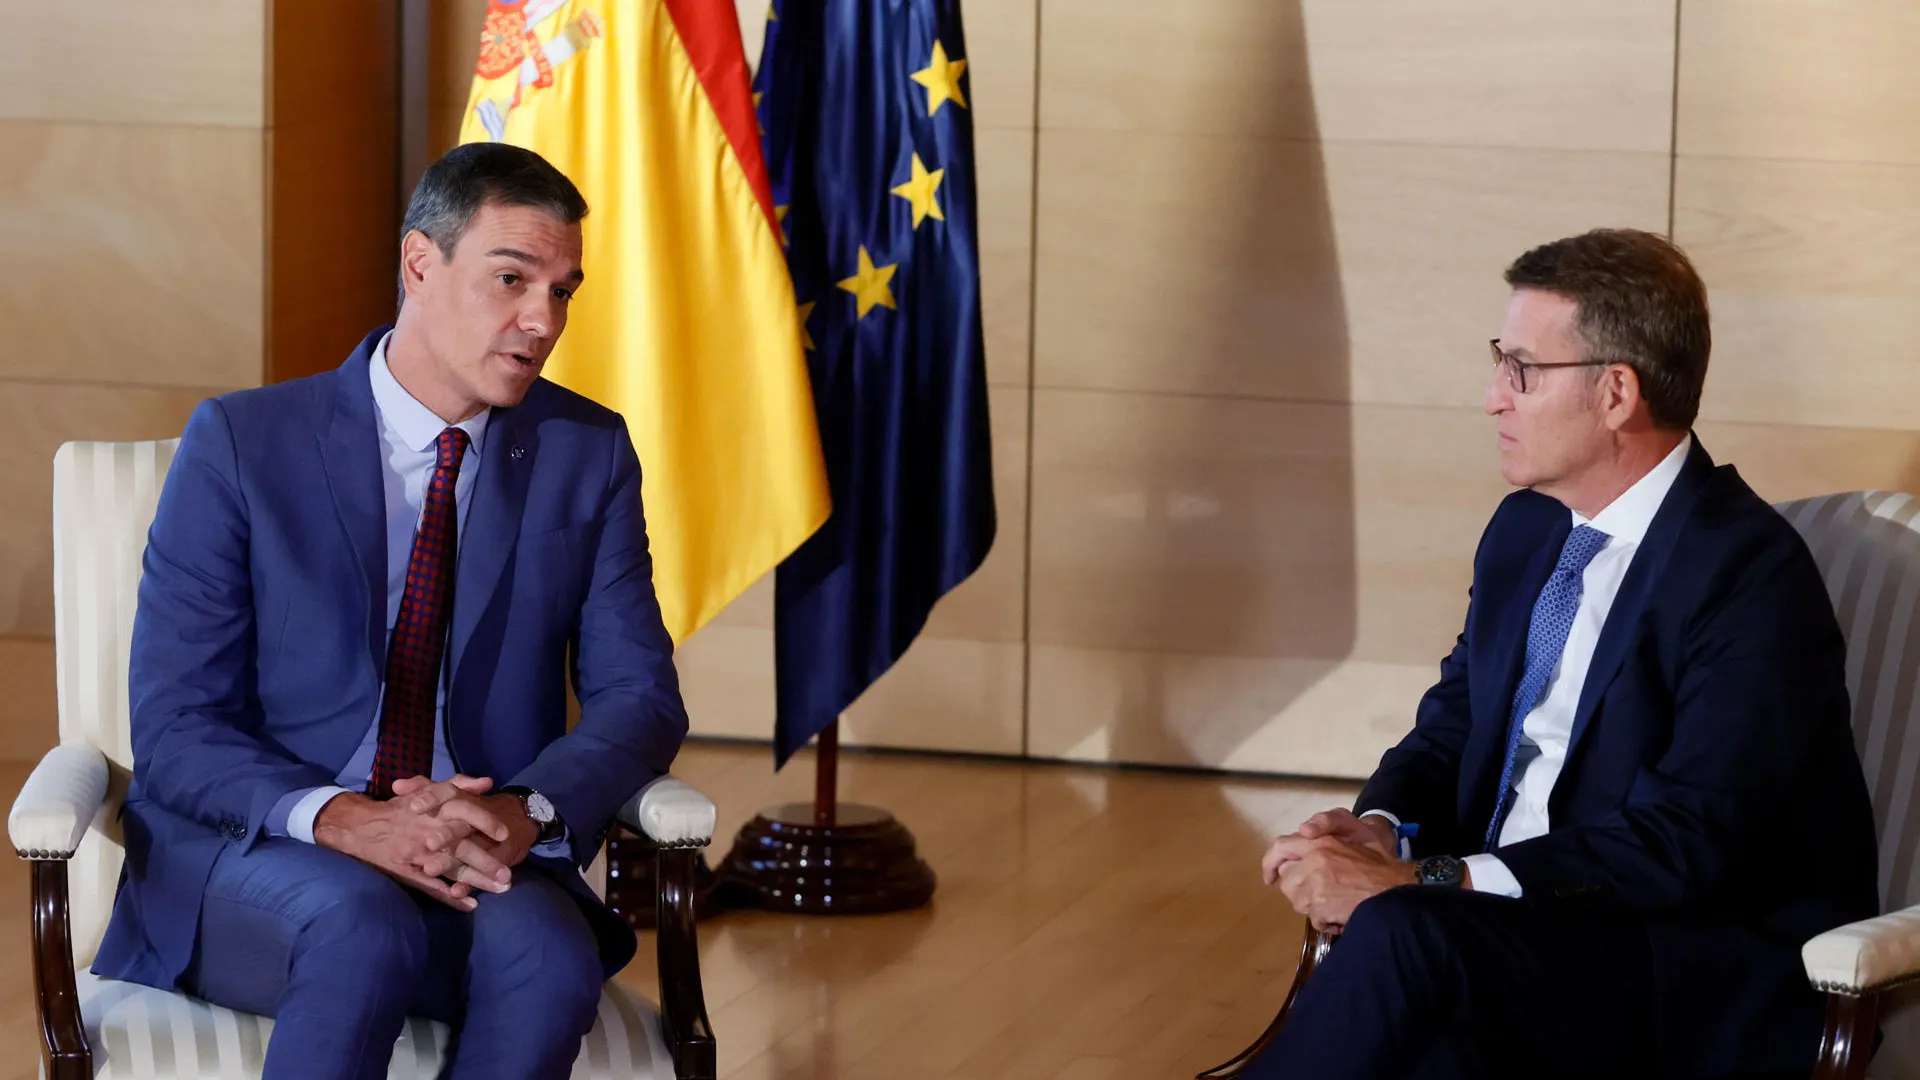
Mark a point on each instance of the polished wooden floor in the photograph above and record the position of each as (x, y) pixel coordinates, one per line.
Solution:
(1088, 924)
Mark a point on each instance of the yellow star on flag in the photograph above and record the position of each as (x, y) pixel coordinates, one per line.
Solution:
(806, 339)
(941, 77)
(869, 286)
(756, 112)
(923, 192)
(772, 15)
(780, 218)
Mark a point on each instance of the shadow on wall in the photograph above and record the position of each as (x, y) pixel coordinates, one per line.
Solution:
(1226, 587)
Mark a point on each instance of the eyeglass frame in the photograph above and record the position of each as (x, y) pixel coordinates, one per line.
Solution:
(1517, 368)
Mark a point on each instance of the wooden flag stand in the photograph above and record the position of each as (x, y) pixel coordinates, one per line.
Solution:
(828, 858)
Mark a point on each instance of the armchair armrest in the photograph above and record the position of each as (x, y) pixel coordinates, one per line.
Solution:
(671, 814)
(1866, 956)
(678, 821)
(59, 801)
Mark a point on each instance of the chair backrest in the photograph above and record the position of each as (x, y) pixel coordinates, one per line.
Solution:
(104, 496)
(1867, 544)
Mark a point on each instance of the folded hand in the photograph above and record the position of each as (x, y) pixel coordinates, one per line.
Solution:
(1325, 878)
(497, 832)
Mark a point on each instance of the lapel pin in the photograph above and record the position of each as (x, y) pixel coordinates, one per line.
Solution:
(517, 452)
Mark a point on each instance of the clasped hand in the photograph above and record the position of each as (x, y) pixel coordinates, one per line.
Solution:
(446, 839)
(1332, 864)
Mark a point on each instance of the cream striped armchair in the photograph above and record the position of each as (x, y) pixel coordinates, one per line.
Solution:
(65, 822)
(1867, 545)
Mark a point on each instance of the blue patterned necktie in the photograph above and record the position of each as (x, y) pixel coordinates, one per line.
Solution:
(1546, 639)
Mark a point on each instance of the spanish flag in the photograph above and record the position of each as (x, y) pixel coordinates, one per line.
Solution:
(687, 323)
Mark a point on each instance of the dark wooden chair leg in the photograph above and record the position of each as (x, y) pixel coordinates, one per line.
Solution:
(1847, 1044)
(63, 1039)
(683, 1002)
(1312, 951)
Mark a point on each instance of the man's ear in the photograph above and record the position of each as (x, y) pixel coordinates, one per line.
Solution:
(1619, 392)
(418, 254)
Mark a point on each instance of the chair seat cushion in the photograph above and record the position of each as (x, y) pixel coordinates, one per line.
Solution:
(139, 1033)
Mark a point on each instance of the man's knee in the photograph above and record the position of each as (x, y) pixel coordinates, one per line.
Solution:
(1406, 922)
(369, 922)
(533, 947)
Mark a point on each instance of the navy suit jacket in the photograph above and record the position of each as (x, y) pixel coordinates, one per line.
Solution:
(259, 637)
(1711, 790)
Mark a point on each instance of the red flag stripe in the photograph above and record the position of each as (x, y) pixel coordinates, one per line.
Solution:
(710, 32)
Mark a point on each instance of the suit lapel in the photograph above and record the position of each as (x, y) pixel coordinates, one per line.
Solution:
(493, 522)
(1637, 588)
(351, 451)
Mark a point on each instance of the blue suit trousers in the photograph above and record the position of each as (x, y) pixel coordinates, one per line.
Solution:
(340, 954)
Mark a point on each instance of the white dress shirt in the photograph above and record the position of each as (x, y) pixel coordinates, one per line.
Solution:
(1546, 731)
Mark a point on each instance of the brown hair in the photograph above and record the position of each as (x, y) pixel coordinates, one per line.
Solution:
(1639, 303)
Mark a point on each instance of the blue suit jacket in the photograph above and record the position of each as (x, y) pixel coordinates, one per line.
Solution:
(259, 639)
(1711, 789)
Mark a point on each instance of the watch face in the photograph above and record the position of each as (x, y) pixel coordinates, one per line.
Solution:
(539, 809)
(1439, 870)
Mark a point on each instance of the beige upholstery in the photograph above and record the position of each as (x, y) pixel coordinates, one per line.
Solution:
(1868, 547)
(104, 499)
(104, 496)
(58, 803)
(142, 1034)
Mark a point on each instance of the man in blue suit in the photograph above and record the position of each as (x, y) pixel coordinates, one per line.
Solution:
(355, 794)
(1633, 793)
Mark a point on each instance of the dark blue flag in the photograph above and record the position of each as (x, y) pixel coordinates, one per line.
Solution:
(865, 105)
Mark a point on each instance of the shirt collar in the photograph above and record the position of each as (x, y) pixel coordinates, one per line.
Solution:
(416, 425)
(1628, 517)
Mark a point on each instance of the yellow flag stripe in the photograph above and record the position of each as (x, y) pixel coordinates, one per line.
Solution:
(686, 323)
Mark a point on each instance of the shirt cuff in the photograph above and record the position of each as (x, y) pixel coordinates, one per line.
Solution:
(1406, 842)
(1490, 875)
(560, 847)
(304, 808)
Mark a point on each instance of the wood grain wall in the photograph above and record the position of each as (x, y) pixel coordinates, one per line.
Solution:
(189, 204)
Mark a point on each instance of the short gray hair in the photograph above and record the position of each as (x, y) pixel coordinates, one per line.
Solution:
(473, 175)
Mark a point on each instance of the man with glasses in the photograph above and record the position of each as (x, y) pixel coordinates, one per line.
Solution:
(1633, 792)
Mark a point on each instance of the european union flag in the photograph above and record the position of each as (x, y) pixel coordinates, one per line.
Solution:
(870, 145)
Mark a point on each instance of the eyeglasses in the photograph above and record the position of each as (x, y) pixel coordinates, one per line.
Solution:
(1517, 368)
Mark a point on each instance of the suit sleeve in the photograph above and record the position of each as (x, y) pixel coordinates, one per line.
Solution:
(632, 720)
(196, 723)
(1760, 694)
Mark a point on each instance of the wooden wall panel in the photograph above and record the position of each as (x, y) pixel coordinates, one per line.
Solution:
(1300, 270)
(113, 62)
(1270, 243)
(1826, 80)
(1795, 461)
(453, 49)
(138, 253)
(33, 713)
(1815, 287)
(333, 233)
(1567, 74)
(1216, 525)
(1003, 171)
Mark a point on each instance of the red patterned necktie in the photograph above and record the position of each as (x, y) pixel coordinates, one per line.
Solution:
(419, 637)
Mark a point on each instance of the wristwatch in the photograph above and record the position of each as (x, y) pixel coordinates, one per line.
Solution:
(539, 811)
(1439, 870)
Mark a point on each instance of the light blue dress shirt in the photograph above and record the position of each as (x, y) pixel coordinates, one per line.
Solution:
(408, 431)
